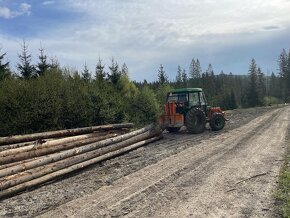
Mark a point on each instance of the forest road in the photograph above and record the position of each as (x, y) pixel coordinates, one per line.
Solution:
(232, 174)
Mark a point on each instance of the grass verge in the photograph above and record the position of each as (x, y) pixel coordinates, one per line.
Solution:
(282, 195)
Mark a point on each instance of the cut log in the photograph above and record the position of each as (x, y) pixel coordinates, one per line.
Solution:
(28, 175)
(21, 187)
(71, 152)
(60, 133)
(13, 146)
(43, 144)
(49, 150)
(6, 166)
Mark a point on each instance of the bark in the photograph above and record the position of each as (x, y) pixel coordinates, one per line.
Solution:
(60, 133)
(55, 175)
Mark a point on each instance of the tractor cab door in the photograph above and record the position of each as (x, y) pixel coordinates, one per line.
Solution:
(203, 102)
(197, 99)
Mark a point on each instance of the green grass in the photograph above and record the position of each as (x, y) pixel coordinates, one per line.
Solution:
(282, 194)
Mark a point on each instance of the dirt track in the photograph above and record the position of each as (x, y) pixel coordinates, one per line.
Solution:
(227, 174)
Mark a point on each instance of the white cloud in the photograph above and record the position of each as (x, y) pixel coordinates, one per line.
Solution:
(23, 9)
(48, 2)
(5, 12)
(146, 33)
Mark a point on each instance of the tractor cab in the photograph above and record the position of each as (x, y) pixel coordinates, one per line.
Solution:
(187, 98)
(188, 106)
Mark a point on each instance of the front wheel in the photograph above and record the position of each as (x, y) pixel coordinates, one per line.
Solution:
(217, 122)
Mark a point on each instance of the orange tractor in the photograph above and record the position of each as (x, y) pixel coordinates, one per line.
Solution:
(188, 106)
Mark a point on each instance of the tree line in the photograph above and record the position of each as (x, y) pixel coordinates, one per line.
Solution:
(46, 96)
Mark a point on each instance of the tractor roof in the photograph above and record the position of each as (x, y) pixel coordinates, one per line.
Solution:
(186, 90)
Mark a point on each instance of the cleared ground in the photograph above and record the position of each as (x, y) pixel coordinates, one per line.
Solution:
(228, 173)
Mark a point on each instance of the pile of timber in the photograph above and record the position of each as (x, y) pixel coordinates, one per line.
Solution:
(30, 160)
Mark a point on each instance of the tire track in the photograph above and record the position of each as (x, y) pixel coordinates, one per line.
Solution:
(197, 161)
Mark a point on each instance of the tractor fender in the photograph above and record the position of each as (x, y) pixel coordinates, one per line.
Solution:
(217, 110)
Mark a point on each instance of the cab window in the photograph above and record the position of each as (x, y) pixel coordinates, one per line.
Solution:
(193, 99)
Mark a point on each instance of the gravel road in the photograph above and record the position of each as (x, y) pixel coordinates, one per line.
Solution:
(231, 173)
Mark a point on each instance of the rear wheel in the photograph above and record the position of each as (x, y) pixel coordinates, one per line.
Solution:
(195, 121)
(217, 122)
(173, 129)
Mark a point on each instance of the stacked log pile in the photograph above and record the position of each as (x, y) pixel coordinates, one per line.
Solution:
(30, 160)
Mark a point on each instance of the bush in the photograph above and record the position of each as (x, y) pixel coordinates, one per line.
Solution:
(144, 108)
(61, 100)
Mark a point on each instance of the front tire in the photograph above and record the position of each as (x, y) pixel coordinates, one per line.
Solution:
(195, 121)
(217, 122)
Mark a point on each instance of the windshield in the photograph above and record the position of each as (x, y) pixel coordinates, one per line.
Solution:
(192, 98)
(178, 98)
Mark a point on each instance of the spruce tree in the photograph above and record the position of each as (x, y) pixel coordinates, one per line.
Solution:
(252, 95)
(184, 78)
(125, 70)
(197, 70)
(283, 59)
(162, 77)
(86, 73)
(4, 68)
(179, 77)
(261, 84)
(42, 66)
(25, 67)
(191, 69)
(114, 75)
(100, 73)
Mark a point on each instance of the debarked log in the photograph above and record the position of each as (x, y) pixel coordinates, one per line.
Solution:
(60, 133)
(21, 187)
(28, 175)
(44, 150)
(71, 152)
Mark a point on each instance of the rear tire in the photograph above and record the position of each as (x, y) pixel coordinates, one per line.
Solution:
(195, 121)
(217, 122)
(173, 129)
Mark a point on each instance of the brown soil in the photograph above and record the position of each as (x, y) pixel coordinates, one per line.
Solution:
(231, 173)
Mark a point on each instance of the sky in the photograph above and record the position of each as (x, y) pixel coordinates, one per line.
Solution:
(146, 33)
